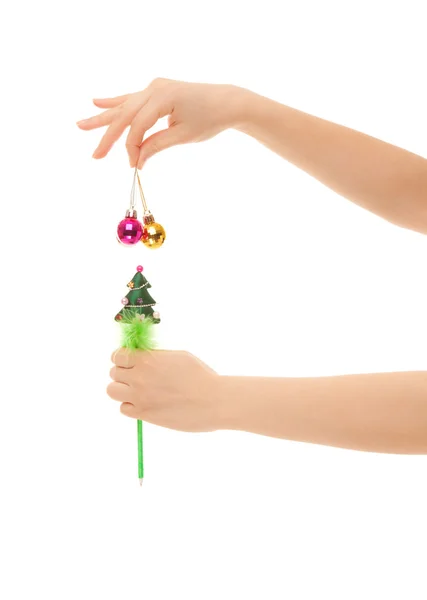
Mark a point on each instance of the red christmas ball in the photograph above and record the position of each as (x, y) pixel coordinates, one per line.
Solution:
(129, 231)
(139, 269)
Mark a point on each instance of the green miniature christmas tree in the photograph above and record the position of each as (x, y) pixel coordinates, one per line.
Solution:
(138, 302)
(137, 319)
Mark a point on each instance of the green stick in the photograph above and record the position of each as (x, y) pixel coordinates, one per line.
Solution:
(137, 319)
(140, 453)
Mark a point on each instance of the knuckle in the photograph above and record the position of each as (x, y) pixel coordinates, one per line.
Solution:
(158, 81)
(119, 115)
(127, 409)
(110, 389)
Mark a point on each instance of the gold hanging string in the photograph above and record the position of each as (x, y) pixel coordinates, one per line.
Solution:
(144, 202)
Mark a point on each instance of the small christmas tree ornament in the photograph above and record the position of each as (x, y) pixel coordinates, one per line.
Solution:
(138, 301)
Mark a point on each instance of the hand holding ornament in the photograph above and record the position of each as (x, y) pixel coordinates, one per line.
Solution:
(196, 112)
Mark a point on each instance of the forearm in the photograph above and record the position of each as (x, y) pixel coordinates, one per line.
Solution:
(382, 178)
(380, 412)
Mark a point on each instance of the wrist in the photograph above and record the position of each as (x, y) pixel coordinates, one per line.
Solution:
(237, 402)
(261, 405)
(242, 104)
(269, 122)
(227, 410)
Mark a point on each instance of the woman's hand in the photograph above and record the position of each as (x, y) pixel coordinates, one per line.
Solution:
(195, 111)
(377, 412)
(170, 389)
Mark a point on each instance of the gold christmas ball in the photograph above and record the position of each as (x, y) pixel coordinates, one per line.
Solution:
(153, 236)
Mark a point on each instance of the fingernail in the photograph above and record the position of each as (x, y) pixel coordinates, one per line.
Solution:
(82, 122)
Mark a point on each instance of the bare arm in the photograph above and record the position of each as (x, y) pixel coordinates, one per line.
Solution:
(382, 178)
(379, 412)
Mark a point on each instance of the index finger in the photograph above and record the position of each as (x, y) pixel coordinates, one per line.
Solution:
(124, 358)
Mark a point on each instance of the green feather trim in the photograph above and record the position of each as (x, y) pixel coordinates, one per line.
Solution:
(137, 334)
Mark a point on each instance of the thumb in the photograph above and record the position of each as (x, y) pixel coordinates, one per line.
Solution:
(160, 141)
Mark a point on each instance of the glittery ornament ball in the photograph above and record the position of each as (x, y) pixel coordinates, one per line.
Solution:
(156, 315)
(129, 231)
(125, 301)
(139, 269)
(139, 300)
(153, 235)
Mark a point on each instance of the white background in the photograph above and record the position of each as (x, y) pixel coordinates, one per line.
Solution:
(264, 272)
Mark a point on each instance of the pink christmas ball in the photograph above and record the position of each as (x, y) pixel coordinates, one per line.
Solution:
(129, 231)
(125, 301)
(139, 269)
